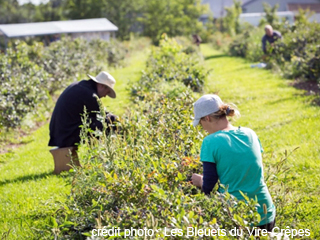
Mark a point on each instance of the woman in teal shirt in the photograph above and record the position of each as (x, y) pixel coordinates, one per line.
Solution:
(232, 155)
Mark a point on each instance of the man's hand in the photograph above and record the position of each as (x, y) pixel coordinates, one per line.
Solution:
(197, 180)
(112, 123)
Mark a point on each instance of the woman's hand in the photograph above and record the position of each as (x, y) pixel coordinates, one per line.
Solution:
(197, 180)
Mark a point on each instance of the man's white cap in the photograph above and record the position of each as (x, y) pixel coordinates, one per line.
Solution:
(204, 106)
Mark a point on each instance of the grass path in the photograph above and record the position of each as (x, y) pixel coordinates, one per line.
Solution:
(283, 117)
(29, 190)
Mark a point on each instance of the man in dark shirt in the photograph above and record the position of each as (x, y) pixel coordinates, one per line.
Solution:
(271, 36)
(66, 118)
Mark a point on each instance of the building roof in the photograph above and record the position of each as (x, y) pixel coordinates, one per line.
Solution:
(248, 3)
(294, 7)
(280, 14)
(57, 27)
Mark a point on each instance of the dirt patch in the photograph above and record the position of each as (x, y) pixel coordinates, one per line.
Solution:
(8, 146)
(311, 87)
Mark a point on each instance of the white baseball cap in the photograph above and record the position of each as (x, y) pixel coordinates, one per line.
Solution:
(204, 106)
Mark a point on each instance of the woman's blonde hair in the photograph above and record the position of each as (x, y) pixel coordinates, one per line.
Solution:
(226, 110)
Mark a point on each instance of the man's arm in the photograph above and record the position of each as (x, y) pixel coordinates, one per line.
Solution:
(264, 41)
(278, 34)
(94, 110)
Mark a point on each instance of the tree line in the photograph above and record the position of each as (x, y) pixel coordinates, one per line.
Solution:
(149, 18)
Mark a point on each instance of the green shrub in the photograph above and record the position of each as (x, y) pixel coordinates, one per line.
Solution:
(168, 62)
(239, 46)
(188, 46)
(23, 86)
(248, 45)
(221, 41)
(254, 52)
(298, 55)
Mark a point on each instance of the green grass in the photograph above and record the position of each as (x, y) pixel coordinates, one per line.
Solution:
(30, 193)
(283, 117)
(123, 77)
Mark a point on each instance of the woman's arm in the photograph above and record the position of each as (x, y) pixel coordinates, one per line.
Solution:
(210, 177)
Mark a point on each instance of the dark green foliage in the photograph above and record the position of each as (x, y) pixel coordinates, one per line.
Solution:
(239, 46)
(298, 55)
(22, 86)
(53, 10)
(173, 17)
(122, 13)
(11, 12)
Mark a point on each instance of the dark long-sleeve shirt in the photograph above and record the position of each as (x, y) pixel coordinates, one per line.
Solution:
(275, 36)
(66, 118)
(210, 177)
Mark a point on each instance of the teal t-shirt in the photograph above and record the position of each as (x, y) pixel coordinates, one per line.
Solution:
(237, 155)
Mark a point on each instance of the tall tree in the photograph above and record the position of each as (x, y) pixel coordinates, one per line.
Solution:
(271, 16)
(10, 11)
(53, 10)
(79, 9)
(173, 17)
(122, 13)
(231, 22)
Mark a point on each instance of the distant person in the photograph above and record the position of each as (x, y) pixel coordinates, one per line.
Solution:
(196, 39)
(66, 118)
(271, 36)
(54, 38)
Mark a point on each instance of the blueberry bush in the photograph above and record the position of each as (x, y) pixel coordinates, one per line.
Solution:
(172, 62)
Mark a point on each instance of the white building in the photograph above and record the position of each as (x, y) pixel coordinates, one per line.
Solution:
(254, 18)
(86, 28)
